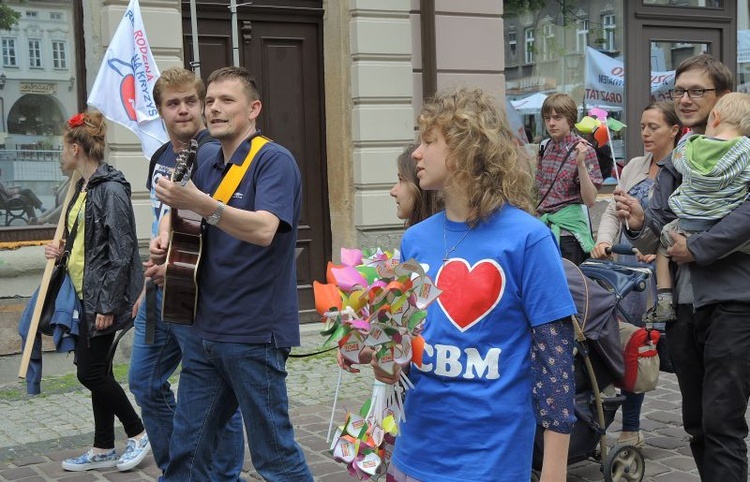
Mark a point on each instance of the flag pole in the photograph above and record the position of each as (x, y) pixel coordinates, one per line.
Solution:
(196, 63)
(235, 40)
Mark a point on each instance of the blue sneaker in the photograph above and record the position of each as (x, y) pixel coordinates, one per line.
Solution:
(135, 452)
(90, 460)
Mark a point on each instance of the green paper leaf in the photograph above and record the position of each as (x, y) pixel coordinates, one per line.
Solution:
(338, 334)
(365, 408)
(614, 124)
(368, 272)
(416, 318)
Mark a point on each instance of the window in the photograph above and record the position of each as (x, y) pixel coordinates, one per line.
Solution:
(582, 35)
(59, 55)
(528, 36)
(548, 42)
(512, 44)
(55, 16)
(608, 32)
(32, 14)
(9, 53)
(35, 54)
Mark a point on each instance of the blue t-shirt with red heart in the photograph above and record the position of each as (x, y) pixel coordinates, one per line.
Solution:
(469, 416)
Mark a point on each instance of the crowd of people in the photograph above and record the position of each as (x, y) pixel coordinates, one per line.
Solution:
(474, 214)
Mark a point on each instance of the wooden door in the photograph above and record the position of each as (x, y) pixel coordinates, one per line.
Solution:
(284, 51)
(712, 29)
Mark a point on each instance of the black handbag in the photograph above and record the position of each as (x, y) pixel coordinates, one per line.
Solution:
(55, 283)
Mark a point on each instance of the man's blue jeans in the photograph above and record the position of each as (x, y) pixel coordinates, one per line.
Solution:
(218, 377)
(151, 365)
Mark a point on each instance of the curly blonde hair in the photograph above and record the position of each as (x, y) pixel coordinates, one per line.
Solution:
(483, 159)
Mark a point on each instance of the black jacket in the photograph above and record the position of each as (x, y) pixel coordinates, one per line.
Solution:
(112, 273)
(715, 276)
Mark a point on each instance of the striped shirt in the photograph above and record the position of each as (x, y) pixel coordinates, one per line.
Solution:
(710, 188)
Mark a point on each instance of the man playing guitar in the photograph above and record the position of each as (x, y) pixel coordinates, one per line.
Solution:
(247, 314)
(157, 345)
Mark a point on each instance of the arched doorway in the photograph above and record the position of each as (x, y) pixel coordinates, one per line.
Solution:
(36, 115)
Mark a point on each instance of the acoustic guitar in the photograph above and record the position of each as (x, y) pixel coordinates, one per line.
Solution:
(180, 292)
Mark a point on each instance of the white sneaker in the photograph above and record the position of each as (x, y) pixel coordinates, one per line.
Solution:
(135, 452)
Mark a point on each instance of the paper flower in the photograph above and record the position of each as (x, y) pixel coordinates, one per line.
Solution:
(76, 121)
(374, 301)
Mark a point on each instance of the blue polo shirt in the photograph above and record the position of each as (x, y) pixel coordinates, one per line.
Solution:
(248, 293)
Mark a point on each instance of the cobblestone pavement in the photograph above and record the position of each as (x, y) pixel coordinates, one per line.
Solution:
(37, 433)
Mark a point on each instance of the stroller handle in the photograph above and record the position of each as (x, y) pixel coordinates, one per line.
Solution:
(621, 249)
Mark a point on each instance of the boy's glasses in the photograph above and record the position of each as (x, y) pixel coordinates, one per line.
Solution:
(676, 94)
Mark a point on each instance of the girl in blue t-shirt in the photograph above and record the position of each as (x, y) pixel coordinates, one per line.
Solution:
(498, 355)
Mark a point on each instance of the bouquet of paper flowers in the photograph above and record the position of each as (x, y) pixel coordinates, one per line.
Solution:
(375, 302)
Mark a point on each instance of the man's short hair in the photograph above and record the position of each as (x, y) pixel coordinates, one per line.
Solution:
(174, 78)
(563, 105)
(720, 75)
(734, 109)
(239, 73)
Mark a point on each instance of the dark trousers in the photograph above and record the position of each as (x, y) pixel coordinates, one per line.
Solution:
(107, 396)
(571, 250)
(710, 351)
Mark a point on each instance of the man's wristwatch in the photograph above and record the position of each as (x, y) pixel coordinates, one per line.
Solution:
(213, 219)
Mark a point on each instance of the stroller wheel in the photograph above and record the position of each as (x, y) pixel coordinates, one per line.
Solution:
(624, 463)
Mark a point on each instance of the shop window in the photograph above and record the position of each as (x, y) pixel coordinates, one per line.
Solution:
(34, 104)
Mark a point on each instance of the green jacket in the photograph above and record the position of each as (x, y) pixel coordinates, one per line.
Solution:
(573, 218)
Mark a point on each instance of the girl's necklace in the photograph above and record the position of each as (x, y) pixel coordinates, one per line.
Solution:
(448, 252)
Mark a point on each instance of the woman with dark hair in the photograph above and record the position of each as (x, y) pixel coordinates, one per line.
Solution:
(413, 204)
(105, 268)
(660, 131)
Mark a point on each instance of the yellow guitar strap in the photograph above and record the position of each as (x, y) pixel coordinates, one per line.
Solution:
(237, 171)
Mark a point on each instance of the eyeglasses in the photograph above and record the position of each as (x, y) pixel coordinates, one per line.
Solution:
(677, 94)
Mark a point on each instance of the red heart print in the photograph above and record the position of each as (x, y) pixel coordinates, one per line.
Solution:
(469, 293)
(127, 95)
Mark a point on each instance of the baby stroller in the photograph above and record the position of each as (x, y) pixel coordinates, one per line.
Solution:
(597, 287)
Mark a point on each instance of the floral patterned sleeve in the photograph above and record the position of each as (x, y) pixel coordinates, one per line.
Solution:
(553, 392)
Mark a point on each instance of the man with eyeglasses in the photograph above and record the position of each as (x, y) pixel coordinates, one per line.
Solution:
(709, 342)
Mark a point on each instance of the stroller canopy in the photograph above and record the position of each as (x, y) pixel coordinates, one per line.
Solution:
(597, 314)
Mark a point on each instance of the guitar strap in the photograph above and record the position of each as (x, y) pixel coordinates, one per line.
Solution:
(237, 171)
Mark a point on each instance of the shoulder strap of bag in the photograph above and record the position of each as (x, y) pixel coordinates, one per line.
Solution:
(237, 171)
(152, 163)
(552, 184)
(68, 243)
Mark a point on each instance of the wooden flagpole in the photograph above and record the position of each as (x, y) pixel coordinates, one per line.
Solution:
(29, 345)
